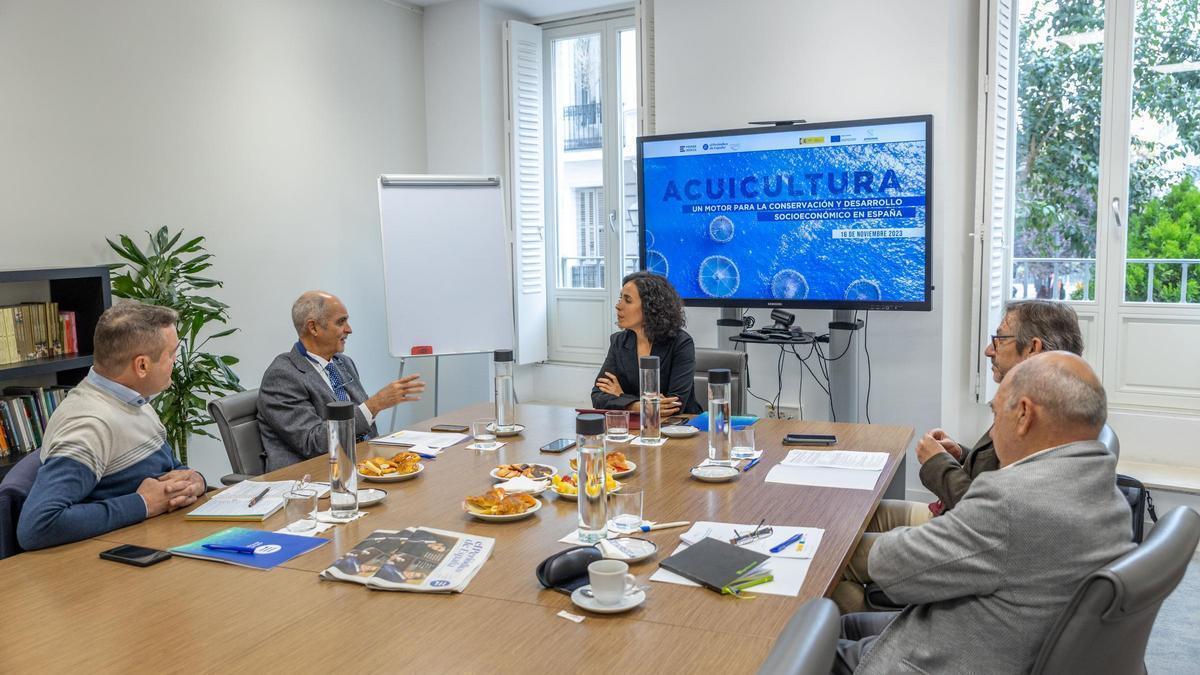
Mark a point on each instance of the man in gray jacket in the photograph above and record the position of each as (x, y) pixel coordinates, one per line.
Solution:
(986, 581)
(300, 383)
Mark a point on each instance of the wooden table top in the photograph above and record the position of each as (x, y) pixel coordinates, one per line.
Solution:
(234, 618)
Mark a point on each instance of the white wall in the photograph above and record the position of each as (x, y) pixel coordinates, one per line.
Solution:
(719, 65)
(261, 125)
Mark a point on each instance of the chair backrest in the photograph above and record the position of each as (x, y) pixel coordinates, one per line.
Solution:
(237, 419)
(13, 491)
(1105, 627)
(707, 359)
(1109, 438)
(808, 641)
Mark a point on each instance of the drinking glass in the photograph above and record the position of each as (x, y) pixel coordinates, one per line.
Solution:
(743, 443)
(300, 507)
(485, 435)
(617, 424)
(626, 510)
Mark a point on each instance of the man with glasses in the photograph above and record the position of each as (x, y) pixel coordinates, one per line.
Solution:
(300, 383)
(1029, 327)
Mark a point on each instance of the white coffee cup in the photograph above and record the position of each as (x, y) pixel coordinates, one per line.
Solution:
(611, 581)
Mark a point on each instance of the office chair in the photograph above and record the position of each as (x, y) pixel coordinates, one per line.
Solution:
(707, 359)
(1109, 438)
(237, 420)
(13, 491)
(808, 641)
(1105, 627)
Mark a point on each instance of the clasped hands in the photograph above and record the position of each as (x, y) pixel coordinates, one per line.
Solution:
(608, 383)
(937, 440)
(172, 490)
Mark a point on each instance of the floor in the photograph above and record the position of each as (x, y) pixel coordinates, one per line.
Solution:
(1174, 645)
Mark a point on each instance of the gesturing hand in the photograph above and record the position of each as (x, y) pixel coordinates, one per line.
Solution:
(407, 388)
(608, 384)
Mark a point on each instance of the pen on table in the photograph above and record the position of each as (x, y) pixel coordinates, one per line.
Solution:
(258, 497)
(751, 464)
(248, 550)
(664, 526)
(790, 540)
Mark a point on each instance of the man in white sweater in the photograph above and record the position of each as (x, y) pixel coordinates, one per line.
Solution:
(106, 462)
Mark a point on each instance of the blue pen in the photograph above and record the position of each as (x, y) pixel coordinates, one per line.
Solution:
(247, 550)
(790, 540)
(751, 464)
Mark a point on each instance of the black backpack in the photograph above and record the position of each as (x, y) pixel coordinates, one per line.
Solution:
(1140, 502)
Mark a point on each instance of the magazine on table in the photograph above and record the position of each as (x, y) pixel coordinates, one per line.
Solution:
(418, 559)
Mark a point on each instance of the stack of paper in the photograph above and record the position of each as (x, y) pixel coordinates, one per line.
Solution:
(428, 444)
(233, 503)
(830, 468)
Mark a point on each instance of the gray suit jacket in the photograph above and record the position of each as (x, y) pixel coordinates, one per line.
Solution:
(986, 581)
(291, 408)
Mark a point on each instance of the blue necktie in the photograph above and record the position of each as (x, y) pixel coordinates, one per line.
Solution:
(335, 381)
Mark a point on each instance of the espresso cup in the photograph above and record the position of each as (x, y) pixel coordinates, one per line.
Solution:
(610, 580)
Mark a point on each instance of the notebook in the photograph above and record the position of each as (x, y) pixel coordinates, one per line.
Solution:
(719, 566)
(233, 503)
(271, 548)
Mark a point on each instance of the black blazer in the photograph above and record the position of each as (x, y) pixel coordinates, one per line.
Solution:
(676, 370)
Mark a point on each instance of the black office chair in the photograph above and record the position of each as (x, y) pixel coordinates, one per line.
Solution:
(237, 420)
(1105, 627)
(13, 491)
(808, 642)
(707, 359)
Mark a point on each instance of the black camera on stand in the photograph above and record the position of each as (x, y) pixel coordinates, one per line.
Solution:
(783, 324)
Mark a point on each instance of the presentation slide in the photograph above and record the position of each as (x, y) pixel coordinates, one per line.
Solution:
(834, 214)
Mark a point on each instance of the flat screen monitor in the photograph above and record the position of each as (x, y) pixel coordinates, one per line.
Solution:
(806, 216)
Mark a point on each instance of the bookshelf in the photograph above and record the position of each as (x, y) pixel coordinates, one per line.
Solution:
(87, 291)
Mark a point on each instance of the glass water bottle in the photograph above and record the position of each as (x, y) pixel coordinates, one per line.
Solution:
(593, 492)
(651, 398)
(343, 474)
(506, 395)
(720, 426)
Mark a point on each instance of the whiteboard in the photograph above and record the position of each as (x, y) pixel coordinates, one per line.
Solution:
(446, 270)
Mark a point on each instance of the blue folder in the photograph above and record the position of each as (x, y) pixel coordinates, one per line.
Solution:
(739, 421)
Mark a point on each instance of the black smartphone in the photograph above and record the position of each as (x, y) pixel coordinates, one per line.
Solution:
(672, 421)
(139, 556)
(451, 428)
(558, 446)
(809, 439)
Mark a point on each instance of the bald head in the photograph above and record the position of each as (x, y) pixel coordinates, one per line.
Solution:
(322, 323)
(310, 306)
(1050, 399)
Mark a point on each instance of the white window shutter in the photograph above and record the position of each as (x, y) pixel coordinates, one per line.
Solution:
(526, 163)
(644, 13)
(994, 183)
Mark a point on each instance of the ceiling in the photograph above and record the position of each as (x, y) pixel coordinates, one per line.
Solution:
(534, 9)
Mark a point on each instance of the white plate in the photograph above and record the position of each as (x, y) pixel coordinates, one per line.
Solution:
(679, 431)
(627, 603)
(631, 469)
(553, 471)
(371, 496)
(392, 478)
(715, 474)
(636, 548)
(500, 519)
(575, 497)
(516, 429)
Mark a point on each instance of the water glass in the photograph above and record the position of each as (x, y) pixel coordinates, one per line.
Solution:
(616, 423)
(485, 435)
(626, 510)
(743, 443)
(299, 508)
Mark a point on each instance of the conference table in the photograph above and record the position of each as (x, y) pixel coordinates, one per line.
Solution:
(67, 609)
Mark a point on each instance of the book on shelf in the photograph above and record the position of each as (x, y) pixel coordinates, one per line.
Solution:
(25, 413)
(417, 559)
(70, 339)
(35, 330)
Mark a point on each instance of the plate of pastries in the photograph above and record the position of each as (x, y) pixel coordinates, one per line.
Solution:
(534, 471)
(401, 466)
(496, 506)
(618, 466)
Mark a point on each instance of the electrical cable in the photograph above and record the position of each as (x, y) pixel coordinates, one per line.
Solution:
(866, 318)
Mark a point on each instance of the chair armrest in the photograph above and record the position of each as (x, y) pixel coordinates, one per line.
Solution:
(234, 478)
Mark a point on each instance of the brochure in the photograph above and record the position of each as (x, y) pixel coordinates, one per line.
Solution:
(420, 559)
(270, 549)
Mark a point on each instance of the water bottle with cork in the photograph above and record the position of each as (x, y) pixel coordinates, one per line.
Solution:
(720, 426)
(343, 472)
(591, 479)
(506, 395)
(651, 401)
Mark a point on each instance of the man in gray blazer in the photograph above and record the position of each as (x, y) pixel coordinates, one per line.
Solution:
(298, 384)
(986, 581)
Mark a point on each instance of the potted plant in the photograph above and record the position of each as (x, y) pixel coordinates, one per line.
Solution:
(167, 274)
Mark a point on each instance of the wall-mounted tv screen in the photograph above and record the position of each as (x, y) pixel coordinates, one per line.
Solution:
(803, 216)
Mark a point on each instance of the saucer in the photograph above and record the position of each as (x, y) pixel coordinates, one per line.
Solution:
(680, 431)
(370, 496)
(627, 603)
(714, 474)
(513, 430)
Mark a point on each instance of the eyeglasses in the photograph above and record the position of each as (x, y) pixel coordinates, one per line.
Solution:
(996, 345)
(759, 532)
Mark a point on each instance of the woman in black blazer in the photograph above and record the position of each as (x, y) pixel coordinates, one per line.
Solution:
(650, 314)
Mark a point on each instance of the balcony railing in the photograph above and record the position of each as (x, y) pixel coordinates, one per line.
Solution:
(1075, 279)
(583, 126)
(581, 271)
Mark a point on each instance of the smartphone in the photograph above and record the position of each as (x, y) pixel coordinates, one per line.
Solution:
(451, 428)
(809, 439)
(558, 446)
(672, 421)
(139, 556)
